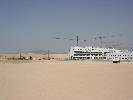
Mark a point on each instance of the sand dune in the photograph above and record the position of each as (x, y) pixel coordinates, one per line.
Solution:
(66, 80)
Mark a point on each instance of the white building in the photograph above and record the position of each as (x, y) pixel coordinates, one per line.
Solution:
(77, 52)
(121, 55)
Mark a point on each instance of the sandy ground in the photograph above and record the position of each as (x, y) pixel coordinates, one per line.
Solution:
(66, 80)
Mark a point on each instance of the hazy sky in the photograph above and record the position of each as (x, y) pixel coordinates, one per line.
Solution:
(32, 24)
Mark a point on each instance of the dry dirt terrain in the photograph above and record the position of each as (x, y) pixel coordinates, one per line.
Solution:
(66, 80)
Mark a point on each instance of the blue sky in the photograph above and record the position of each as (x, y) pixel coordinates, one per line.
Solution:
(32, 24)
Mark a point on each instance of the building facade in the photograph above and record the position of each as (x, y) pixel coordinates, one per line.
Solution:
(76, 53)
(121, 55)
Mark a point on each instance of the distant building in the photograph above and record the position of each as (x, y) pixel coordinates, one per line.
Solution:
(76, 53)
(122, 55)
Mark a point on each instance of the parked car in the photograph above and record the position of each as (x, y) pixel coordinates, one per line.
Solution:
(116, 60)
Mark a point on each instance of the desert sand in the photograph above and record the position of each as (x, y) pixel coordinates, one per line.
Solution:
(66, 80)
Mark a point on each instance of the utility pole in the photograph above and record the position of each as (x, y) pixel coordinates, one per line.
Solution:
(48, 55)
(20, 55)
(77, 40)
(101, 41)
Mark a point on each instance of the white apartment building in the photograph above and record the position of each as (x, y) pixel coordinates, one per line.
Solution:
(76, 53)
(121, 55)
